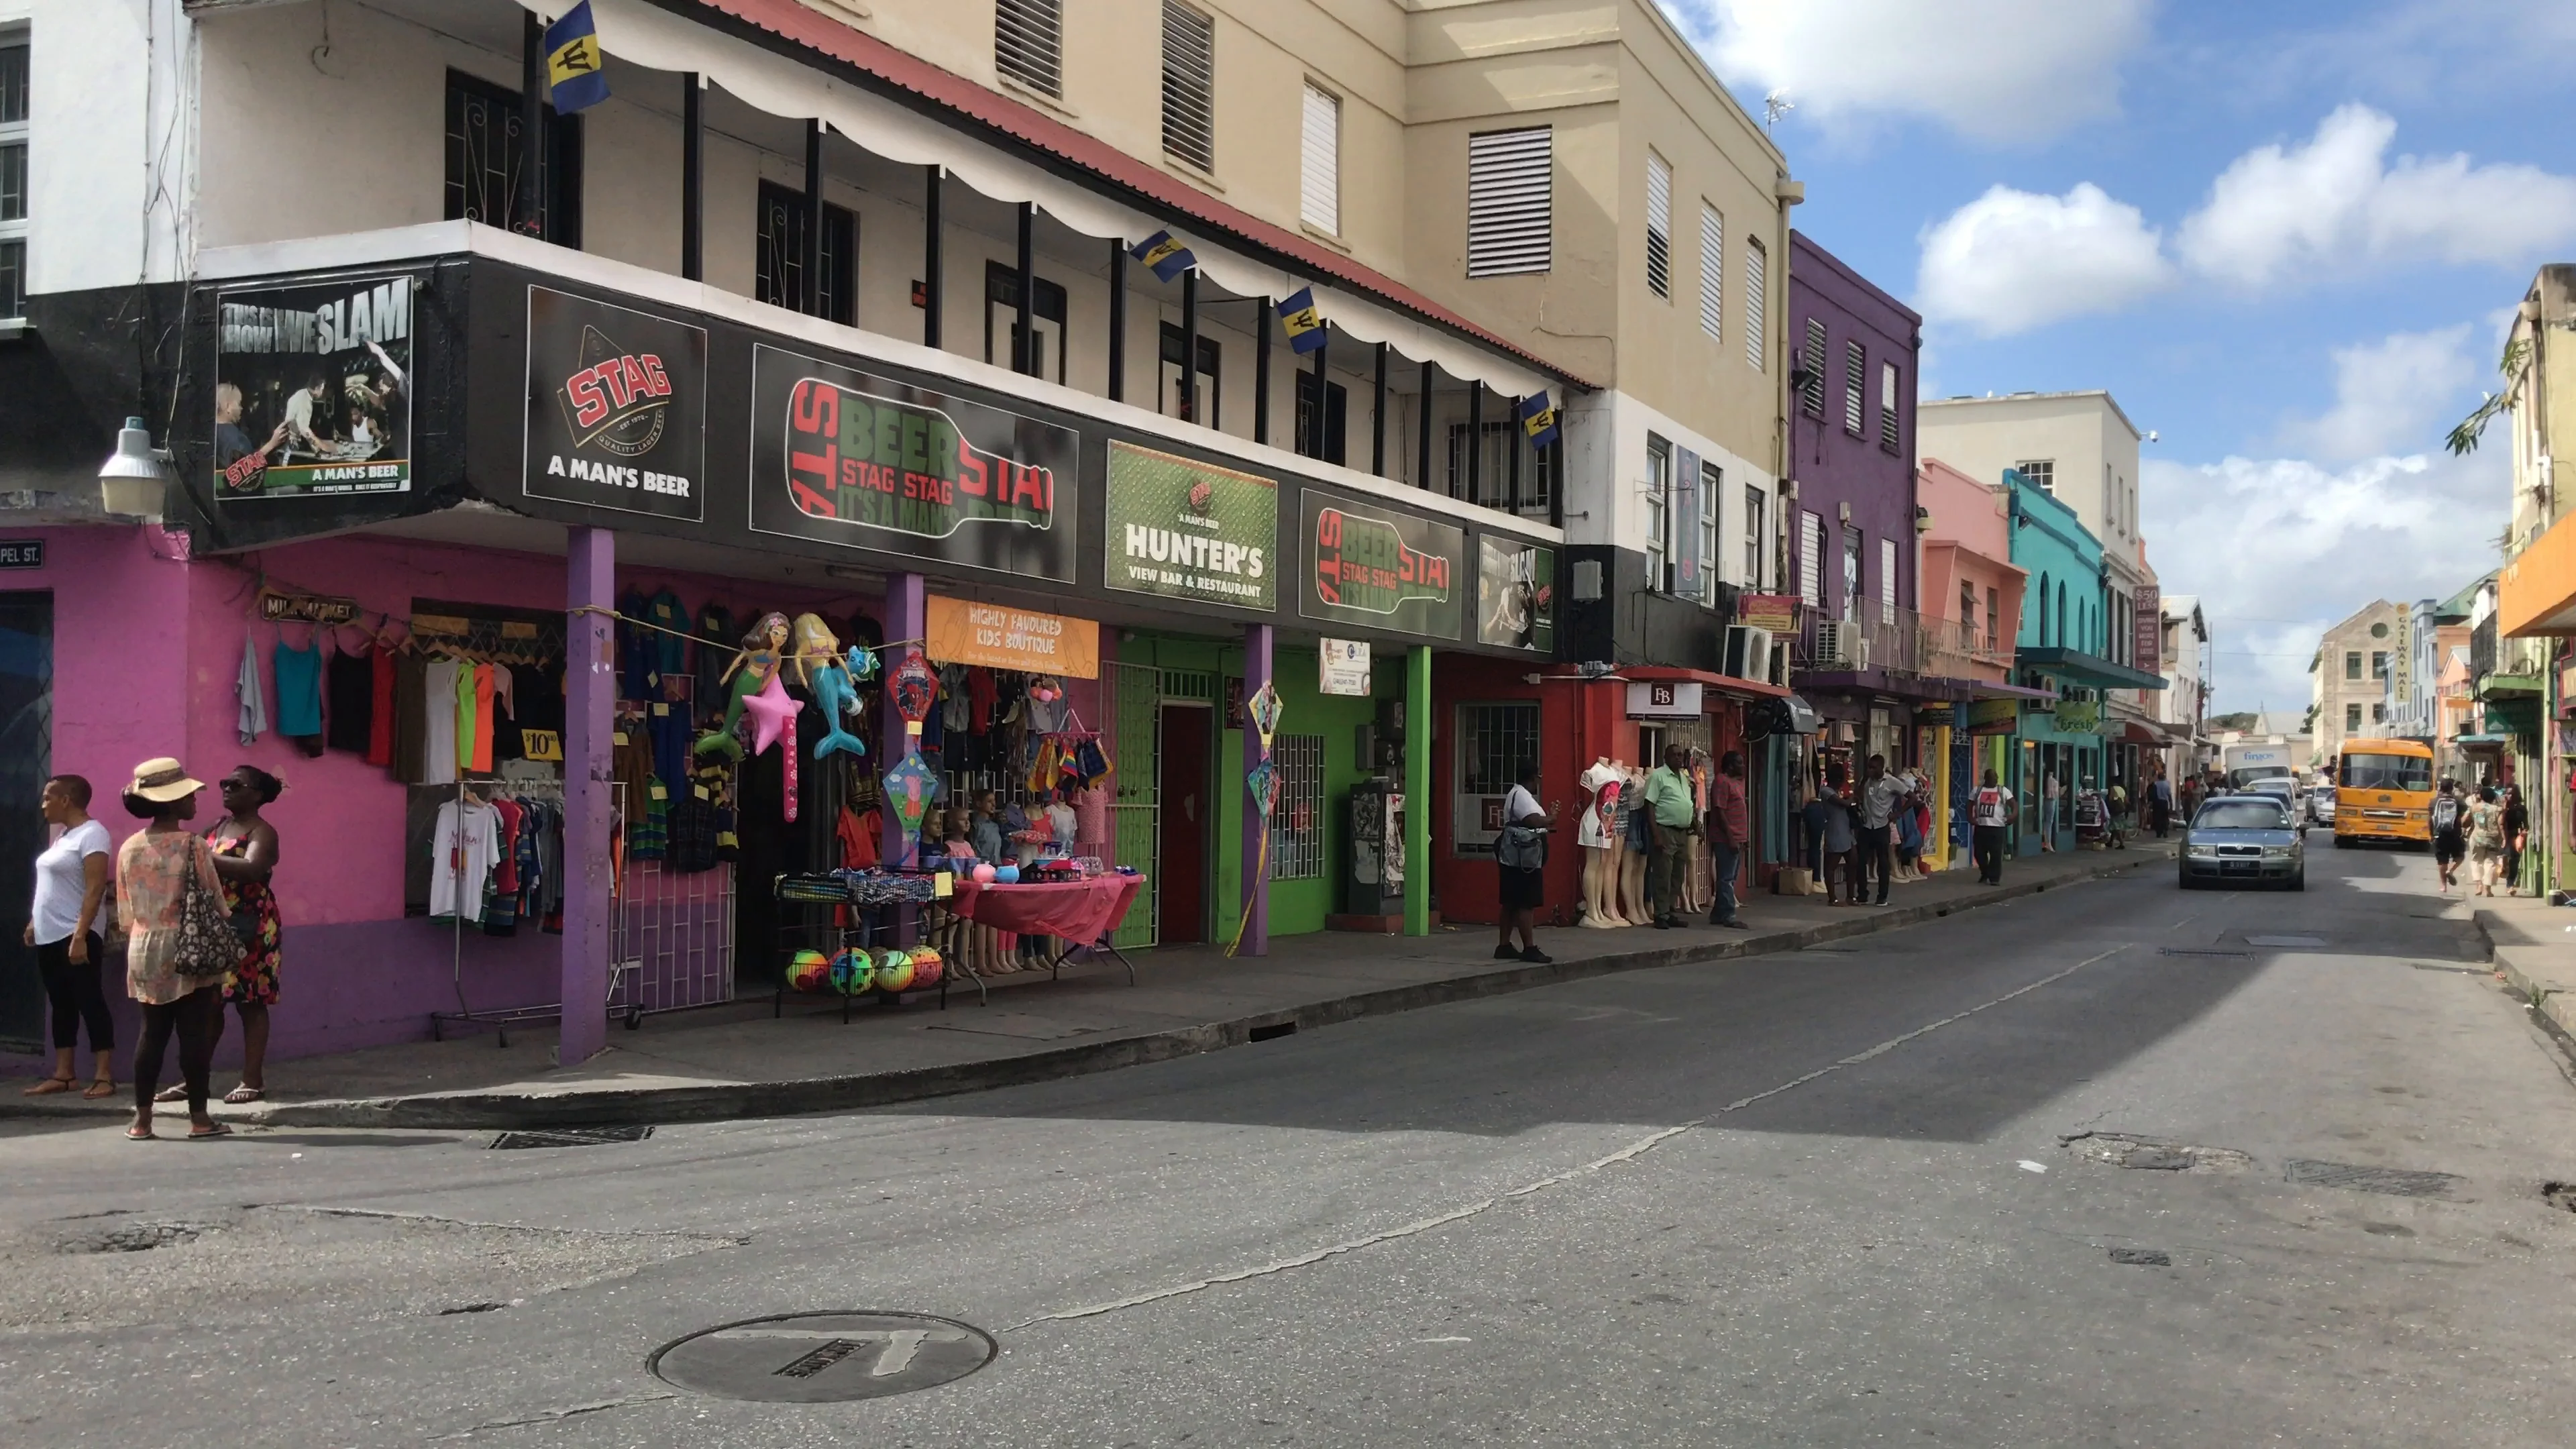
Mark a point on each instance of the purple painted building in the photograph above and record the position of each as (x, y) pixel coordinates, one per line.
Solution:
(1861, 656)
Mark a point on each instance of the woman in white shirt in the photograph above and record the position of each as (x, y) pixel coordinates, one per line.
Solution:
(71, 884)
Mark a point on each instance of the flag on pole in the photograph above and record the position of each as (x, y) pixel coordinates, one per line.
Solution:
(572, 62)
(1538, 419)
(1164, 254)
(1305, 325)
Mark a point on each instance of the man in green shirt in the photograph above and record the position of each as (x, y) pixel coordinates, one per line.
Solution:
(1676, 820)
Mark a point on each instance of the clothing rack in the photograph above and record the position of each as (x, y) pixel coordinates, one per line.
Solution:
(503, 1018)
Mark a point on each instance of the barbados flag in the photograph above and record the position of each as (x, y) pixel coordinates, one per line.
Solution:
(572, 61)
(1305, 325)
(1538, 419)
(1162, 252)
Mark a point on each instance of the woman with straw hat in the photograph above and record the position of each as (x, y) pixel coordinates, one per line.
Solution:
(152, 873)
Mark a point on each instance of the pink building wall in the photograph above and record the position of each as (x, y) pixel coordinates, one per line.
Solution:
(1970, 541)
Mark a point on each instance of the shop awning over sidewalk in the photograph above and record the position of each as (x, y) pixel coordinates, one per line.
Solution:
(2090, 671)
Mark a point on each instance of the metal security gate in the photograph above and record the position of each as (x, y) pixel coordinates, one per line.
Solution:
(1131, 703)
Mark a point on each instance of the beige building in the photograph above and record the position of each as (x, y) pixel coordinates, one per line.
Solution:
(2350, 679)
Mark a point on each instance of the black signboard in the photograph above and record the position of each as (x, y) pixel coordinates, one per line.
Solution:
(845, 457)
(617, 407)
(313, 388)
(1380, 569)
(22, 553)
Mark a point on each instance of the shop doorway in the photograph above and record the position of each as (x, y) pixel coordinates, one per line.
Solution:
(26, 758)
(1187, 820)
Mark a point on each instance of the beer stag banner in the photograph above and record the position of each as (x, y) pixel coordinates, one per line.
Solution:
(617, 407)
(1515, 594)
(843, 457)
(1186, 530)
(313, 388)
(1380, 569)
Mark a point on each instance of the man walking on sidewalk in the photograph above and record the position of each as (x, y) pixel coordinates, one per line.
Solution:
(1730, 829)
(1990, 810)
(1675, 819)
(2450, 844)
(1880, 794)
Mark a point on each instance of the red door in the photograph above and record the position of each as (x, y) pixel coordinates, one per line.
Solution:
(1184, 785)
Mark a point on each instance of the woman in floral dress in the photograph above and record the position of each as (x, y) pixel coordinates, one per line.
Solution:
(246, 857)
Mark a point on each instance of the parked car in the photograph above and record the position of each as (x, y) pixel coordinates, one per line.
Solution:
(2248, 839)
(2321, 807)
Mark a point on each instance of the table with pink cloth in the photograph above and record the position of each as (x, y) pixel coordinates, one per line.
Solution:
(1082, 912)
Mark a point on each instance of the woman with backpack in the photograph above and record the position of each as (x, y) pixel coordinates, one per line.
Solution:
(2486, 840)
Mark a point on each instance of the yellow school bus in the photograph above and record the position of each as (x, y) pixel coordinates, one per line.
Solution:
(2383, 791)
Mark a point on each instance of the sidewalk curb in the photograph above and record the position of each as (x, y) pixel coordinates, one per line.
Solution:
(2551, 1009)
(728, 1101)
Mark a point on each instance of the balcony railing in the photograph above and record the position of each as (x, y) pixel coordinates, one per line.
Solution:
(1898, 640)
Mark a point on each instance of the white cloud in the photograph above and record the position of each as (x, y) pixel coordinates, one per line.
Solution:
(2391, 396)
(2278, 549)
(1992, 70)
(2335, 203)
(2011, 260)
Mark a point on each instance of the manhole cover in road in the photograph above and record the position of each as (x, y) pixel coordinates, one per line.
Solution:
(2394, 1181)
(2196, 951)
(824, 1358)
(2285, 941)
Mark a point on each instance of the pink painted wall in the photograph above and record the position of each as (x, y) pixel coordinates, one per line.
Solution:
(1970, 542)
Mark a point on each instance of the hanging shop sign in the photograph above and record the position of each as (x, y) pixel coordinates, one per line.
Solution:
(278, 606)
(1775, 612)
(1515, 594)
(997, 636)
(2147, 643)
(1665, 699)
(2078, 716)
(617, 408)
(1380, 569)
(313, 388)
(844, 457)
(1993, 716)
(1180, 529)
(1345, 667)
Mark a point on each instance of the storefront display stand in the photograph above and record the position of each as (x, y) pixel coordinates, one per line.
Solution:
(502, 1020)
(1100, 926)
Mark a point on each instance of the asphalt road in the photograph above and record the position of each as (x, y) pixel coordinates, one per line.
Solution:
(1822, 1198)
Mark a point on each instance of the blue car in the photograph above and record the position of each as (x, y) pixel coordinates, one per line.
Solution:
(2244, 840)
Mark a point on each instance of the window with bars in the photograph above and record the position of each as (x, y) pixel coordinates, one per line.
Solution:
(1659, 492)
(1028, 43)
(1297, 839)
(1855, 548)
(1811, 559)
(1887, 581)
(1855, 387)
(1811, 361)
(1757, 303)
(1319, 182)
(1659, 226)
(1494, 741)
(13, 175)
(1511, 199)
(1712, 272)
(1494, 463)
(1754, 537)
(1189, 85)
(486, 154)
(1891, 436)
(778, 262)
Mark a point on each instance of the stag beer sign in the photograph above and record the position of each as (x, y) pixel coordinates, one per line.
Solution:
(616, 407)
(1381, 569)
(844, 457)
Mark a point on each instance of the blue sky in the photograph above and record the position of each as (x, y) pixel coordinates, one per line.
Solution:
(2284, 235)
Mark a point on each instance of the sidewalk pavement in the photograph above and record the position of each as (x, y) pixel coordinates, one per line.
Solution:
(735, 1061)
(2531, 939)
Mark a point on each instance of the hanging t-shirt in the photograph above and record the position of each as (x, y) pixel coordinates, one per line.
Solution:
(481, 704)
(464, 846)
(438, 721)
(411, 717)
(717, 640)
(667, 638)
(252, 717)
(349, 684)
(380, 697)
(638, 676)
(299, 691)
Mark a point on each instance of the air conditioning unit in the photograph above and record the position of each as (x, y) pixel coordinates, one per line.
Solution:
(1842, 644)
(1748, 652)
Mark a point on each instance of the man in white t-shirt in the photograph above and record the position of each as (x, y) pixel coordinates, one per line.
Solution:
(1990, 812)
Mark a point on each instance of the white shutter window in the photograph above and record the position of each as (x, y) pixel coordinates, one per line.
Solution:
(1511, 202)
(1028, 43)
(1890, 435)
(1757, 302)
(1855, 387)
(1189, 85)
(1319, 191)
(1712, 272)
(1887, 580)
(1659, 225)
(1811, 554)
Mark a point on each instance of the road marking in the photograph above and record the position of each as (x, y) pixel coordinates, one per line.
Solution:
(2185, 921)
(1629, 1153)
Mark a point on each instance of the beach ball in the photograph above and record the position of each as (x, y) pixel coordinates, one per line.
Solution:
(984, 873)
(808, 971)
(853, 971)
(1006, 875)
(927, 968)
(894, 971)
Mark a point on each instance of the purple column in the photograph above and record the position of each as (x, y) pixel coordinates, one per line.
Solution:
(1256, 881)
(905, 617)
(590, 705)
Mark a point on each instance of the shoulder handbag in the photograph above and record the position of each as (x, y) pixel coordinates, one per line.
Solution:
(208, 945)
(1522, 847)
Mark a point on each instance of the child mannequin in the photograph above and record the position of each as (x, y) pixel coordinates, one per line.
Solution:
(984, 943)
(957, 831)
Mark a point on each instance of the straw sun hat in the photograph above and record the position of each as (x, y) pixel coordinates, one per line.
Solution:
(162, 781)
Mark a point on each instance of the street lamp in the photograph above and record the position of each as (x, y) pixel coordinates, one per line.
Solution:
(134, 480)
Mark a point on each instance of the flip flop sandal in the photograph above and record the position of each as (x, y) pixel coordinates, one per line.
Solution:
(199, 1134)
(98, 1090)
(141, 1134)
(51, 1085)
(171, 1094)
(243, 1096)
